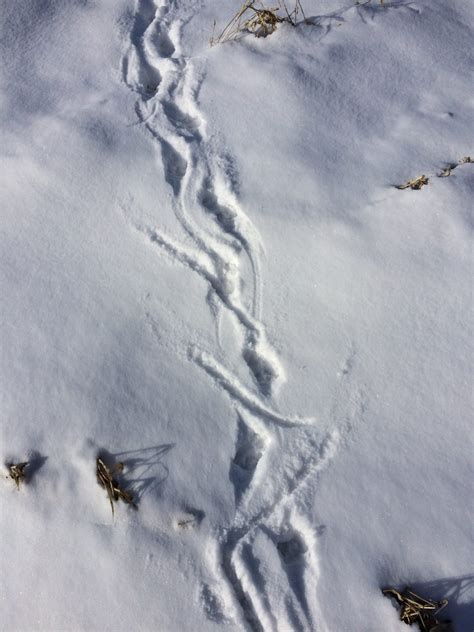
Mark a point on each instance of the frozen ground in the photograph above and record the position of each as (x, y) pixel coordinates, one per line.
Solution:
(207, 272)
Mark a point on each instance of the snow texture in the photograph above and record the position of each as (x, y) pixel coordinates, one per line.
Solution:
(208, 274)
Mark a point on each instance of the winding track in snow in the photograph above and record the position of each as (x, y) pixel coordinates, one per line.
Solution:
(225, 242)
(225, 249)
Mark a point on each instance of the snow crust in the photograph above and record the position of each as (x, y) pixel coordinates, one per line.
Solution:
(207, 271)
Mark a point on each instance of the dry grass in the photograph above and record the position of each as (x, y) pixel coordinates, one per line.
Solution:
(17, 472)
(417, 609)
(105, 478)
(258, 20)
(415, 184)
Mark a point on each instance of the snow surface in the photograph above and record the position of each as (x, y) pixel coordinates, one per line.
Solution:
(207, 272)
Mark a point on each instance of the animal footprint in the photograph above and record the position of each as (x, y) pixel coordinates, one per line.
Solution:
(292, 550)
(249, 451)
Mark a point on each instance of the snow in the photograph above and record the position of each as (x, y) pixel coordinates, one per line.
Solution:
(208, 274)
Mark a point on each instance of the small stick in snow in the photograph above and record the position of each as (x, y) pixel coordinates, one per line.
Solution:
(105, 478)
(17, 472)
(414, 184)
(190, 518)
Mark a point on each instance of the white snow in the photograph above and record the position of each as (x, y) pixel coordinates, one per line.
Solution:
(208, 274)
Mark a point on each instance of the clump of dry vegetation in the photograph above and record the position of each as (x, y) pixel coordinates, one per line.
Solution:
(416, 609)
(259, 20)
(17, 472)
(106, 477)
(415, 184)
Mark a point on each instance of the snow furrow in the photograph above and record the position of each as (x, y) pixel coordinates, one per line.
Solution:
(222, 237)
(168, 83)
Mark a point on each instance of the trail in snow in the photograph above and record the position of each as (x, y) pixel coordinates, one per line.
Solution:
(274, 518)
(225, 249)
(223, 236)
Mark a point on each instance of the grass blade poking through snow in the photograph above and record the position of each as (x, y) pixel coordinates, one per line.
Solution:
(17, 472)
(261, 21)
(105, 478)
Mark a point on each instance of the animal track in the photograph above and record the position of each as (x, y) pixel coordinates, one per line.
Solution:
(186, 125)
(224, 249)
(211, 605)
(249, 450)
(166, 82)
(291, 550)
(175, 166)
(138, 72)
(158, 41)
(239, 393)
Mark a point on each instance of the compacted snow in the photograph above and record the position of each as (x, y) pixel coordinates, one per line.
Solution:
(208, 274)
